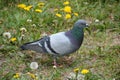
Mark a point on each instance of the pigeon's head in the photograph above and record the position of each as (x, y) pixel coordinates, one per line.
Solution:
(81, 23)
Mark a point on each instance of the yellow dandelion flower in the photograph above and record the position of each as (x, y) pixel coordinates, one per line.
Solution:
(21, 5)
(58, 15)
(76, 14)
(41, 4)
(76, 70)
(38, 10)
(27, 8)
(67, 9)
(84, 71)
(30, 6)
(66, 2)
(17, 75)
(13, 39)
(32, 75)
(67, 16)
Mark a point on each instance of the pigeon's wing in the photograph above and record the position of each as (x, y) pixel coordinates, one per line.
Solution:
(55, 44)
(61, 44)
(37, 46)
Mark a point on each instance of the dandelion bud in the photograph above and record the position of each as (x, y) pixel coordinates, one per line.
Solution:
(23, 30)
(76, 70)
(33, 25)
(29, 20)
(17, 75)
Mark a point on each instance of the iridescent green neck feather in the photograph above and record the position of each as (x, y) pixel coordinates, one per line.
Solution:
(77, 32)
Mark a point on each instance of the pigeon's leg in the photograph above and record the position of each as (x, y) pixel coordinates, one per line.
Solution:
(55, 64)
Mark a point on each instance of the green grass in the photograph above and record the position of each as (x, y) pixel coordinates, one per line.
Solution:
(99, 53)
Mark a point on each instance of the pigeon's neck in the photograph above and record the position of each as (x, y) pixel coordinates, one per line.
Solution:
(77, 32)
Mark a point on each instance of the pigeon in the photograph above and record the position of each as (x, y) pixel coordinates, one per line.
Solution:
(61, 43)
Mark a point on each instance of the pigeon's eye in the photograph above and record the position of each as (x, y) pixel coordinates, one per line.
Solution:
(83, 23)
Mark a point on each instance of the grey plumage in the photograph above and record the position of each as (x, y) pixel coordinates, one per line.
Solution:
(37, 46)
(62, 43)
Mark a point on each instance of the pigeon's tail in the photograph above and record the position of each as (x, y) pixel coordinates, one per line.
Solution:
(23, 47)
(35, 46)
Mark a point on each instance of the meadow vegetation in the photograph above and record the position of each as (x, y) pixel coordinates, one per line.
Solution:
(28, 20)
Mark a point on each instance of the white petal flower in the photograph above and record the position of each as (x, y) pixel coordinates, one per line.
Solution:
(54, 67)
(29, 20)
(34, 65)
(7, 34)
(97, 20)
(73, 75)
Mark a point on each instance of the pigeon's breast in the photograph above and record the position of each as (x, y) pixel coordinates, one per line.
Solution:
(61, 44)
(75, 41)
